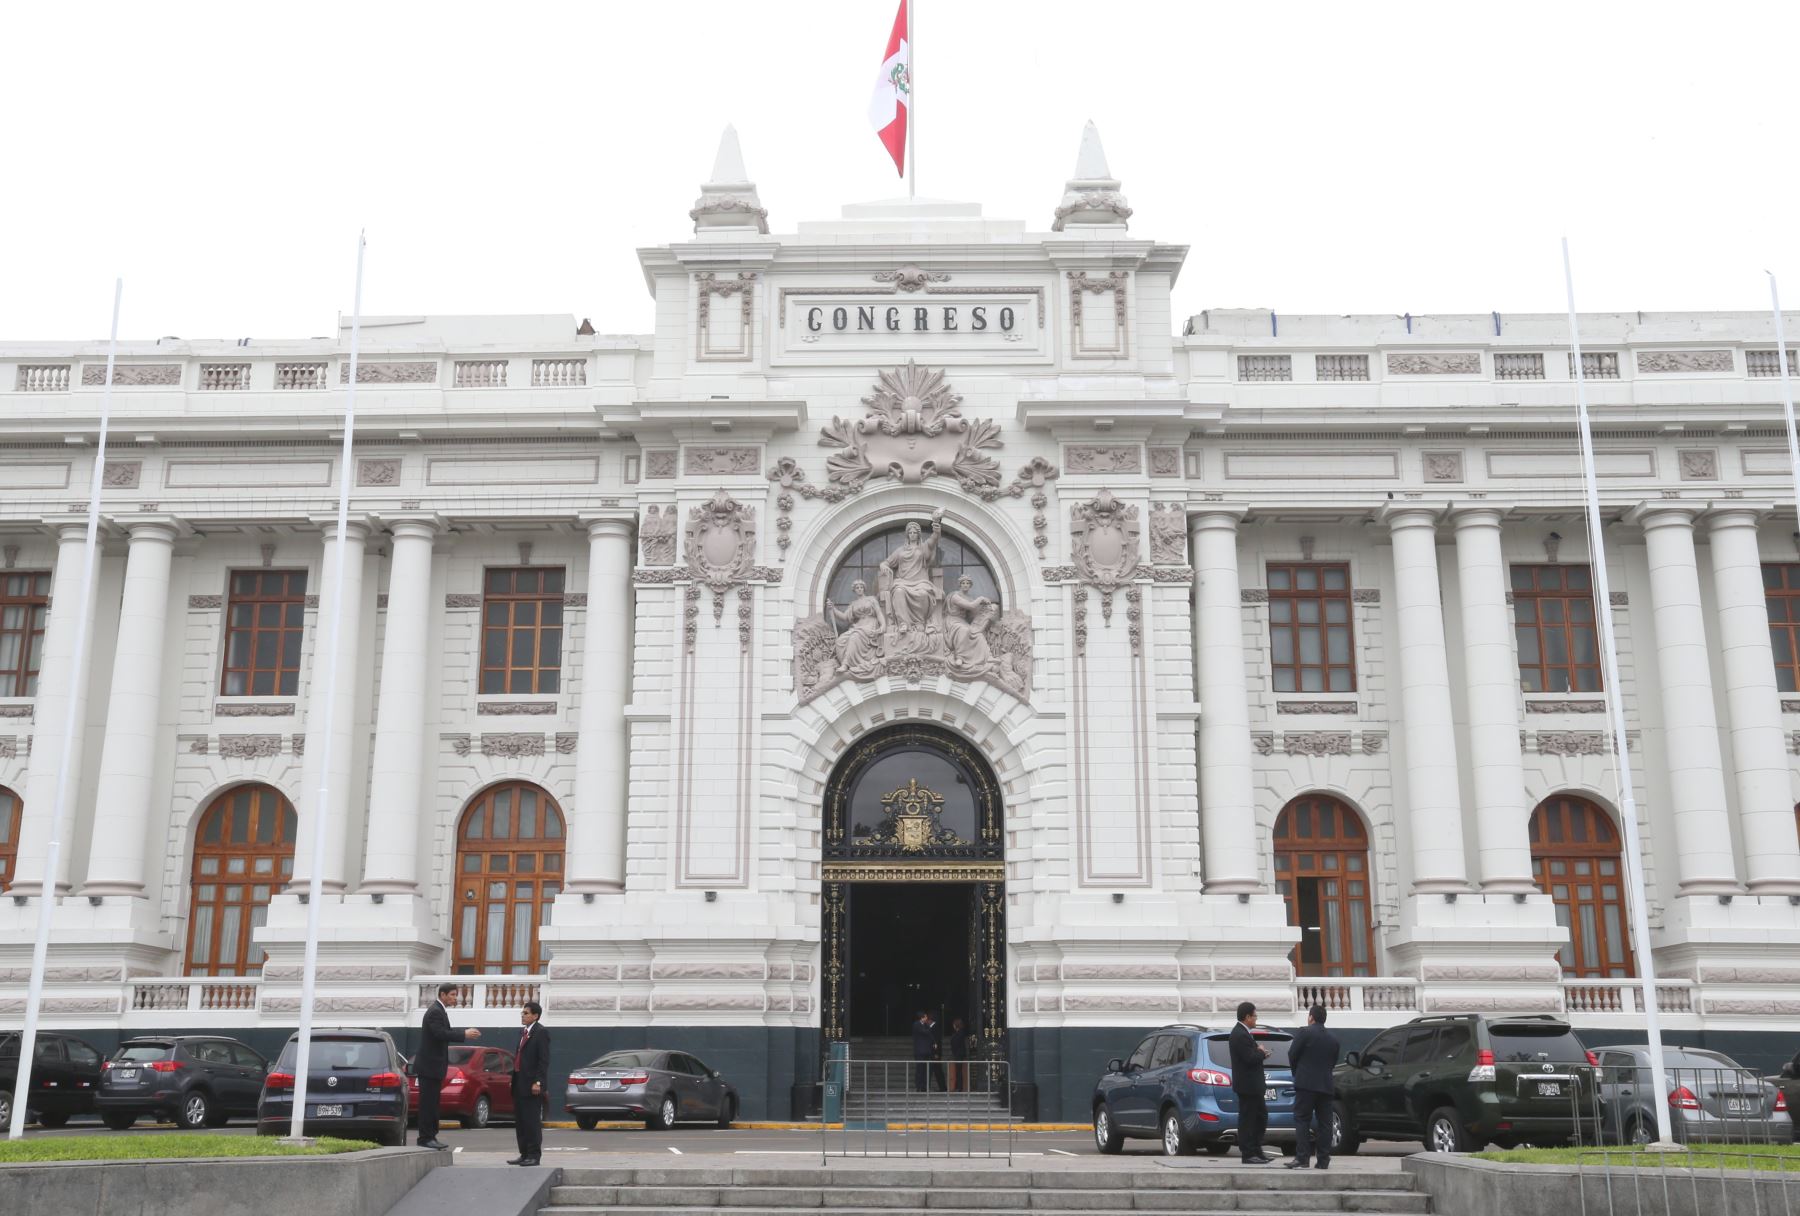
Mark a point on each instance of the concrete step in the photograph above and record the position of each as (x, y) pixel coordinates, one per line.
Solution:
(1157, 1176)
(1116, 1205)
(917, 1198)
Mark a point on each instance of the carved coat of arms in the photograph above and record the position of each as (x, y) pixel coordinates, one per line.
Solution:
(914, 430)
(912, 823)
(1105, 536)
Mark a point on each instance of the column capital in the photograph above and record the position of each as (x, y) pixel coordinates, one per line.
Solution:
(409, 525)
(1398, 515)
(608, 523)
(1217, 516)
(1478, 515)
(68, 529)
(358, 525)
(151, 525)
(1733, 513)
(1666, 513)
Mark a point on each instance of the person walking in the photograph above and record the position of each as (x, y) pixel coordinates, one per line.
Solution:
(1250, 1084)
(924, 1037)
(1313, 1055)
(433, 1061)
(530, 1085)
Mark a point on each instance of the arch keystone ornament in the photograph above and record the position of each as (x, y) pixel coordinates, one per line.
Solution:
(914, 430)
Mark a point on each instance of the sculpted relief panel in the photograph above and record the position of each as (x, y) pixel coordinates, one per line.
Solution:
(914, 430)
(911, 625)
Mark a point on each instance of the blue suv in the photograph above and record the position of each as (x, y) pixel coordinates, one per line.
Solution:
(1176, 1087)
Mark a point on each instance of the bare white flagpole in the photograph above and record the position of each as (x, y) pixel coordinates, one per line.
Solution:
(1787, 388)
(912, 101)
(315, 876)
(1615, 703)
(65, 777)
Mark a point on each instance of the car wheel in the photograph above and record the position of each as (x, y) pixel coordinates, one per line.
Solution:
(1107, 1137)
(1217, 1148)
(1636, 1132)
(195, 1110)
(46, 1119)
(587, 1123)
(392, 1138)
(1343, 1136)
(480, 1118)
(727, 1112)
(1174, 1143)
(1444, 1132)
(6, 1103)
(118, 1120)
(664, 1118)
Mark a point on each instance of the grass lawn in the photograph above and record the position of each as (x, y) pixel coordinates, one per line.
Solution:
(144, 1148)
(1699, 1156)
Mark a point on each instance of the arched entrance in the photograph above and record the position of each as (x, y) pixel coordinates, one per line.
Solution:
(12, 819)
(1322, 870)
(1577, 859)
(914, 885)
(243, 853)
(509, 871)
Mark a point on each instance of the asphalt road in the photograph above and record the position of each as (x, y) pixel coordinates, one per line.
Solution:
(568, 1146)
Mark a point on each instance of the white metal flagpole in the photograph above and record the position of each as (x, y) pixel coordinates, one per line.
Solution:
(40, 951)
(912, 101)
(315, 885)
(1787, 388)
(1615, 703)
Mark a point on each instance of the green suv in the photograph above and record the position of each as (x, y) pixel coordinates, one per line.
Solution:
(1463, 1081)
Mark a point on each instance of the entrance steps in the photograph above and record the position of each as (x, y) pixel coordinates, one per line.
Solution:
(859, 1190)
(881, 1088)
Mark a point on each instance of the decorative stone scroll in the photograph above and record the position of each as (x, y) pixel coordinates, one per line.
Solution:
(1435, 363)
(1103, 536)
(227, 709)
(249, 747)
(659, 464)
(1165, 462)
(721, 547)
(1168, 534)
(729, 461)
(501, 709)
(121, 474)
(914, 430)
(1595, 706)
(1316, 707)
(1667, 361)
(462, 599)
(910, 278)
(1572, 743)
(205, 603)
(1115, 458)
(512, 746)
(379, 472)
(1700, 464)
(1316, 743)
(911, 629)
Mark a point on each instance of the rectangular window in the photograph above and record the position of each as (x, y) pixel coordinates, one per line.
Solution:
(1781, 591)
(1553, 622)
(521, 630)
(1309, 628)
(24, 608)
(264, 622)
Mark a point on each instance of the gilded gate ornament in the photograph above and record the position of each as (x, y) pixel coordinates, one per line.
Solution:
(912, 819)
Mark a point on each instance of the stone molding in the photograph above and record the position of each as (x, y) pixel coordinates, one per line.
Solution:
(659, 464)
(512, 746)
(1596, 706)
(498, 709)
(249, 747)
(121, 474)
(411, 371)
(378, 472)
(132, 375)
(721, 461)
(229, 709)
(1365, 595)
(1660, 362)
(1435, 363)
(1316, 743)
(15, 711)
(1317, 707)
(205, 603)
(1103, 458)
(462, 599)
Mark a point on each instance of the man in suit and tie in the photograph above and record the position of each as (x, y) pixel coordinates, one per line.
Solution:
(433, 1061)
(1250, 1084)
(530, 1085)
(1312, 1055)
(925, 1049)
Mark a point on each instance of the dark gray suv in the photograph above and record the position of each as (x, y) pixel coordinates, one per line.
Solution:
(196, 1081)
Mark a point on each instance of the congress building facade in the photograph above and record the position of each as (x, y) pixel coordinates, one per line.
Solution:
(920, 615)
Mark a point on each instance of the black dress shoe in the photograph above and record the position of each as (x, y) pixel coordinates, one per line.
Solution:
(1259, 1159)
(1298, 1165)
(529, 1161)
(516, 1160)
(432, 1144)
(1323, 1165)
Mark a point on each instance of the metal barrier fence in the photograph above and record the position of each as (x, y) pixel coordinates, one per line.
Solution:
(928, 1108)
(1733, 1133)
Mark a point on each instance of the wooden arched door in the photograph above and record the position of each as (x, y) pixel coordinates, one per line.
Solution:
(243, 853)
(1322, 870)
(1577, 861)
(12, 822)
(509, 870)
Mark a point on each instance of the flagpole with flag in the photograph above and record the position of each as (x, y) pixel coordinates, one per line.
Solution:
(65, 775)
(891, 104)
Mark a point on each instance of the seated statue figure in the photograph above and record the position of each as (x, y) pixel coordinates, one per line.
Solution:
(859, 646)
(966, 621)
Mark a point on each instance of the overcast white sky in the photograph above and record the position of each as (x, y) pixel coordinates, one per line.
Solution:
(1335, 158)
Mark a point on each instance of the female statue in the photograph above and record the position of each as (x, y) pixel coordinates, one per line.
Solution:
(966, 620)
(859, 646)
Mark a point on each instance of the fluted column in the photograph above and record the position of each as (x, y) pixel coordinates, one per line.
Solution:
(1753, 705)
(116, 858)
(319, 712)
(1491, 686)
(1696, 785)
(1227, 804)
(396, 785)
(596, 843)
(1434, 802)
(57, 682)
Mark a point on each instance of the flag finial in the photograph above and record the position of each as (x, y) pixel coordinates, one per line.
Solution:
(1091, 198)
(728, 201)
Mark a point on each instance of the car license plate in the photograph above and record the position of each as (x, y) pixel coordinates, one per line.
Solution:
(125, 1074)
(1271, 1095)
(604, 1084)
(335, 1111)
(1549, 1089)
(1737, 1106)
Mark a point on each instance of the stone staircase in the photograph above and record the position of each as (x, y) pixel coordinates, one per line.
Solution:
(865, 1190)
(880, 1089)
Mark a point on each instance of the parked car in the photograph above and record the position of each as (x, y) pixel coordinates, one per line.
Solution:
(1176, 1087)
(1711, 1097)
(356, 1088)
(477, 1086)
(64, 1077)
(660, 1087)
(196, 1081)
(1460, 1082)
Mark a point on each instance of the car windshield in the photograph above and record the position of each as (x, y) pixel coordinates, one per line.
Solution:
(1219, 1050)
(143, 1051)
(1523, 1043)
(627, 1059)
(338, 1055)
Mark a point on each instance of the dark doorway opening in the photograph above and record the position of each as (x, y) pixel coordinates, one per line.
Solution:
(910, 949)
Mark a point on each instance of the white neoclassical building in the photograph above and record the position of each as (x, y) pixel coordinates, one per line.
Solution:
(919, 615)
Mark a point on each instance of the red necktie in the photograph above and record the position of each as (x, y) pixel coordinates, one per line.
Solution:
(523, 1035)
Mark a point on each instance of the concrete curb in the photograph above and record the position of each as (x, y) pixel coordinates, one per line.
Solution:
(1469, 1186)
(746, 1125)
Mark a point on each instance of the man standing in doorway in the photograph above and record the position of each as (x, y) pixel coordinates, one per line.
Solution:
(530, 1084)
(433, 1061)
(1312, 1055)
(924, 1036)
(1250, 1085)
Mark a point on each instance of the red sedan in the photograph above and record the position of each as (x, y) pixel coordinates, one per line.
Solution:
(477, 1086)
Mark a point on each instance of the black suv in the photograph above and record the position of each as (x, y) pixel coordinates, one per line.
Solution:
(196, 1081)
(1463, 1081)
(63, 1078)
(355, 1088)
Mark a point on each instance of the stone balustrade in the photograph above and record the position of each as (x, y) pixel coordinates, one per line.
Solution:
(481, 373)
(558, 373)
(43, 378)
(300, 376)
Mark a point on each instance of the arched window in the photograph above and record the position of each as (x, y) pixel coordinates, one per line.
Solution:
(12, 822)
(1576, 859)
(243, 852)
(1322, 870)
(509, 869)
(956, 559)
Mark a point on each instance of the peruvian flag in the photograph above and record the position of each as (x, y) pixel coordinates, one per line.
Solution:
(893, 91)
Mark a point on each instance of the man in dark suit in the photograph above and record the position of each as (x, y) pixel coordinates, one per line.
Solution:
(1312, 1055)
(1250, 1084)
(530, 1085)
(924, 1036)
(433, 1061)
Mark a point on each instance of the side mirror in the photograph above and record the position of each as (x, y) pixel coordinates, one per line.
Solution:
(1787, 1070)
(1115, 1065)
(1374, 1064)
(1353, 1060)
